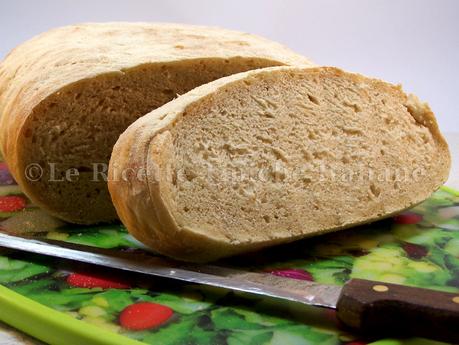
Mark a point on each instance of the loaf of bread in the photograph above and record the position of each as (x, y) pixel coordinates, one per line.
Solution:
(66, 95)
(270, 156)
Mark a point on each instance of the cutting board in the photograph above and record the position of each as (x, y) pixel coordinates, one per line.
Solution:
(417, 248)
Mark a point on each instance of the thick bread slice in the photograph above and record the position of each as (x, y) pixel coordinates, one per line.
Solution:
(271, 156)
(66, 95)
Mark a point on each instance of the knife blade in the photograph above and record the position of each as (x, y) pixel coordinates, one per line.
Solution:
(222, 277)
(371, 307)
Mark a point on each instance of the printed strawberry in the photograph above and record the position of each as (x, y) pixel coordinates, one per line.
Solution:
(293, 273)
(89, 281)
(408, 218)
(5, 176)
(11, 203)
(144, 315)
(414, 251)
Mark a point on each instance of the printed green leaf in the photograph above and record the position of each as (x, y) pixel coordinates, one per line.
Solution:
(228, 318)
(12, 270)
(178, 332)
(261, 337)
(179, 303)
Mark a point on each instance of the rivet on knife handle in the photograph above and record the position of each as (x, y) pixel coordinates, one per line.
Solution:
(389, 309)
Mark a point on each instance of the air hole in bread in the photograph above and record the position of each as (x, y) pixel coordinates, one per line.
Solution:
(313, 99)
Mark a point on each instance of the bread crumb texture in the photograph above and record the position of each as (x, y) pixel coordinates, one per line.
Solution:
(274, 155)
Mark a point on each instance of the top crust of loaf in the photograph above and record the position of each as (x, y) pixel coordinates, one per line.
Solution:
(59, 57)
(54, 61)
(146, 211)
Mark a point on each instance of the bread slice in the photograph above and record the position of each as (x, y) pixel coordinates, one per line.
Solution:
(66, 95)
(271, 156)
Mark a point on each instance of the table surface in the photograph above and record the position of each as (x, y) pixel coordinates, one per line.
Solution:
(10, 336)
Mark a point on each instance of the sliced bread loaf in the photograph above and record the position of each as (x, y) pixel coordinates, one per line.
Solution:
(66, 95)
(271, 156)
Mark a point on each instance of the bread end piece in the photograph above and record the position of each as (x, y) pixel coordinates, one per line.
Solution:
(168, 175)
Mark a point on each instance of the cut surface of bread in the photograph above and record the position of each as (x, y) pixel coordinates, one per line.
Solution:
(66, 95)
(271, 156)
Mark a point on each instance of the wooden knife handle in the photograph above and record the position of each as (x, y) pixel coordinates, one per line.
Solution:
(389, 310)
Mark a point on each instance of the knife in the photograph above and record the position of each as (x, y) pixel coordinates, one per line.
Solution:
(368, 307)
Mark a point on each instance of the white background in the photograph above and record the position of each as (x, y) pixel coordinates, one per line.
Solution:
(413, 42)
